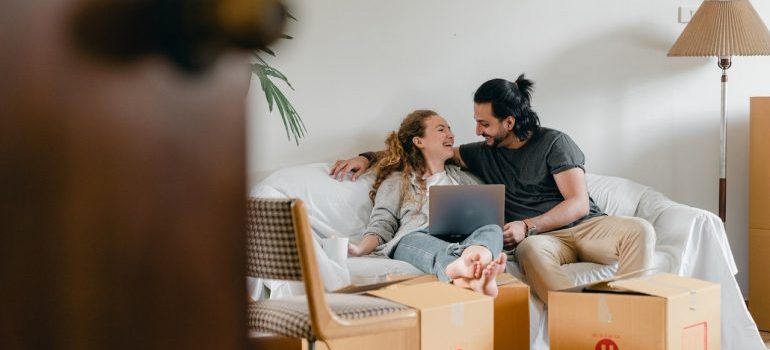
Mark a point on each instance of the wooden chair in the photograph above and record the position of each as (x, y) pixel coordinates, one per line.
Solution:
(280, 246)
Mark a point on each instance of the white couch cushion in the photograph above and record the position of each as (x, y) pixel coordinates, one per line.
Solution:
(614, 195)
(335, 208)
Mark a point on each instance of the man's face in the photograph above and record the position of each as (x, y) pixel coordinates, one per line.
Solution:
(493, 130)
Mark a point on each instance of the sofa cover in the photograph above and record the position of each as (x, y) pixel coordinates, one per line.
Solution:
(690, 242)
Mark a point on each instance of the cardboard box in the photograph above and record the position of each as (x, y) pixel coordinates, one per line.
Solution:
(511, 314)
(450, 317)
(662, 311)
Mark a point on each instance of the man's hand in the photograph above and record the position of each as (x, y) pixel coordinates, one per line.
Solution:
(354, 250)
(513, 233)
(357, 165)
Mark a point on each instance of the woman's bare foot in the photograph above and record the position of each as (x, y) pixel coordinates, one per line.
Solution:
(487, 283)
(467, 266)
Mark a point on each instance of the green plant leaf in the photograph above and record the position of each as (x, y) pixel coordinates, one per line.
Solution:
(299, 125)
(282, 111)
(275, 73)
(292, 122)
(267, 51)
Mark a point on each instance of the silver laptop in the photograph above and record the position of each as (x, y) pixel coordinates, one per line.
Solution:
(456, 211)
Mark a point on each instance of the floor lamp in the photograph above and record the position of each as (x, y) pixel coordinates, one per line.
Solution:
(723, 28)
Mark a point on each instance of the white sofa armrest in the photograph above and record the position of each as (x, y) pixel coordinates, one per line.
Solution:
(685, 236)
(689, 237)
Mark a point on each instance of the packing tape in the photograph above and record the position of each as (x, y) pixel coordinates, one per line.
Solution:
(693, 293)
(457, 314)
(603, 310)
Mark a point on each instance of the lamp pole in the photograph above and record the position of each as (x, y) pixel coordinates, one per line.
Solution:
(724, 63)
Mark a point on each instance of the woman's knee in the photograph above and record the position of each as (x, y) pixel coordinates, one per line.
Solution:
(492, 228)
(489, 236)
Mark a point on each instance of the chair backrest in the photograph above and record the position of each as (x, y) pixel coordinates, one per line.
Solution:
(270, 240)
(280, 246)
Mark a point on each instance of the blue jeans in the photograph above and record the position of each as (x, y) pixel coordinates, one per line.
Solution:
(432, 255)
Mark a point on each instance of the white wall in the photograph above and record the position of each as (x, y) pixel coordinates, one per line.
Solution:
(601, 75)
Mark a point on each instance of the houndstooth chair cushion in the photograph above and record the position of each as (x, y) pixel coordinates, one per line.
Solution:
(289, 316)
(270, 243)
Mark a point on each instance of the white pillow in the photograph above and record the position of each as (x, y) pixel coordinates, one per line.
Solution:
(336, 208)
(615, 195)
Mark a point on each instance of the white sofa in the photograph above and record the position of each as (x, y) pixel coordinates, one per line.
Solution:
(690, 242)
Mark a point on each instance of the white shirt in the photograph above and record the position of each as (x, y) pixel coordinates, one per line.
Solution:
(439, 179)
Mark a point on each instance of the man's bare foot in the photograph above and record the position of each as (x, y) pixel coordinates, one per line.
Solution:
(467, 266)
(487, 283)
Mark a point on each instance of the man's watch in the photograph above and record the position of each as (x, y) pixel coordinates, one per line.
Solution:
(531, 228)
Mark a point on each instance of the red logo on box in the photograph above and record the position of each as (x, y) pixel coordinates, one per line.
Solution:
(695, 337)
(606, 344)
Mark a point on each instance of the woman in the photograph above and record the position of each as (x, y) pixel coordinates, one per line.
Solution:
(416, 158)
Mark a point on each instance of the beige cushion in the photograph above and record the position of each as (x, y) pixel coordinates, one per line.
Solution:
(289, 316)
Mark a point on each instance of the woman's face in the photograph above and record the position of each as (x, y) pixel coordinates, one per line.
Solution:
(438, 140)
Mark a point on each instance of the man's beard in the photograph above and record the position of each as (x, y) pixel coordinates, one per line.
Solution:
(496, 139)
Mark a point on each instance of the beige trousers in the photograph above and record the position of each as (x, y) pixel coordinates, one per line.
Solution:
(630, 241)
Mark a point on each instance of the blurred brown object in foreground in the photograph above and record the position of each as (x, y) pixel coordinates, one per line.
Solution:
(122, 160)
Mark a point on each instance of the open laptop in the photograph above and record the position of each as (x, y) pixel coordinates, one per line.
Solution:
(456, 211)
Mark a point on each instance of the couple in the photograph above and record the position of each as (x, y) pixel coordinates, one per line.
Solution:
(550, 218)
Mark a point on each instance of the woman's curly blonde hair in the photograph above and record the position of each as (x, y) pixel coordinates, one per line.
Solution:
(402, 155)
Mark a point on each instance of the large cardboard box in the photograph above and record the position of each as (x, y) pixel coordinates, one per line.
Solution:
(662, 311)
(511, 314)
(450, 317)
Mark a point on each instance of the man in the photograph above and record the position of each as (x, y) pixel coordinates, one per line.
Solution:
(551, 220)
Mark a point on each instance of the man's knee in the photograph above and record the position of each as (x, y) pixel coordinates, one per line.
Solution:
(534, 246)
(644, 231)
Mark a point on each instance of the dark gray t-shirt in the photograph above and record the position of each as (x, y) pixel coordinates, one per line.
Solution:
(527, 172)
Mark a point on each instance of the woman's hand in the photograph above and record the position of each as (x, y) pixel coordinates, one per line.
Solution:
(354, 250)
(367, 245)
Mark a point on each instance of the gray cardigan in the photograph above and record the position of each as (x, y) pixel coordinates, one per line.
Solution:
(391, 221)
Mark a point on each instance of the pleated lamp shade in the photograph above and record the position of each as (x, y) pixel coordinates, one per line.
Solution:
(723, 28)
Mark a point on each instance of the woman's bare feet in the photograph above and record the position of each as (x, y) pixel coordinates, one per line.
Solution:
(487, 283)
(467, 266)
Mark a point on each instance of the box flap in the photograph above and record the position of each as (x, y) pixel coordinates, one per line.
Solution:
(412, 281)
(664, 285)
(428, 295)
(603, 285)
(383, 282)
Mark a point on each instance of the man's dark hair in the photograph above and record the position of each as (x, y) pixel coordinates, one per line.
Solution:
(511, 98)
